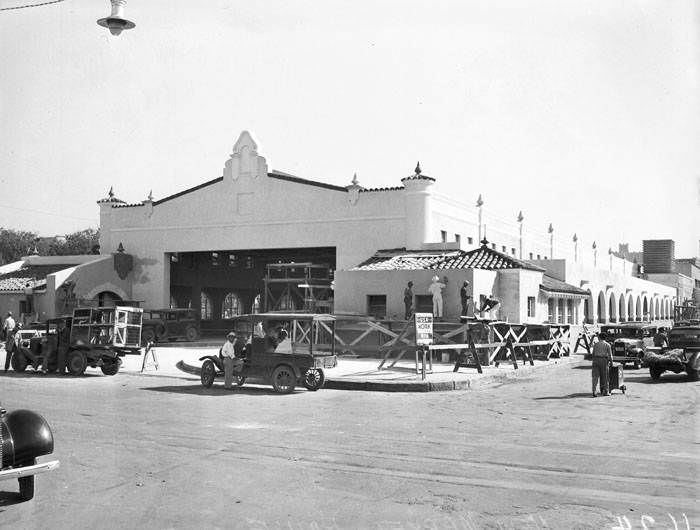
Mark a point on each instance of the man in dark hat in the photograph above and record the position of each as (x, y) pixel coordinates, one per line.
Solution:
(408, 300)
(464, 297)
(602, 359)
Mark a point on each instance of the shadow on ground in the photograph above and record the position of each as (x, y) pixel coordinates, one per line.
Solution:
(568, 396)
(8, 498)
(199, 390)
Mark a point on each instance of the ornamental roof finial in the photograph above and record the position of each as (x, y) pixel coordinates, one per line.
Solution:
(520, 216)
(418, 169)
(480, 201)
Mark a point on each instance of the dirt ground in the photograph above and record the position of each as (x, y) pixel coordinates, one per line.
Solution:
(538, 452)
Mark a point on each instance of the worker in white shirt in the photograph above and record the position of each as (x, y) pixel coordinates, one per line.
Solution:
(228, 353)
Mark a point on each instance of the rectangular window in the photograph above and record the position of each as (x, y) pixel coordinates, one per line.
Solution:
(376, 305)
(424, 303)
(458, 239)
(503, 249)
(443, 236)
(570, 312)
(560, 314)
(233, 260)
(538, 256)
(531, 306)
(470, 240)
(551, 317)
(530, 255)
(214, 259)
(493, 246)
(512, 251)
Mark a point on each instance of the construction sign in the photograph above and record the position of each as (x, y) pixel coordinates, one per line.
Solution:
(424, 329)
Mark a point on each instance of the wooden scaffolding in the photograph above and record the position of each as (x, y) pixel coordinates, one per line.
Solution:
(298, 286)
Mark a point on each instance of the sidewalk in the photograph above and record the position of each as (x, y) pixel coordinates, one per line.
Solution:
(362, 374)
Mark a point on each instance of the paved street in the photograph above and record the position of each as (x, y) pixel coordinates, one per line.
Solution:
(535, 452)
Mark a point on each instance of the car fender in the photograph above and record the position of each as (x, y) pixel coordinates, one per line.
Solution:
(215, 359)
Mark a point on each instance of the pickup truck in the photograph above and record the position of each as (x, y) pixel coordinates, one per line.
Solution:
(682, 354)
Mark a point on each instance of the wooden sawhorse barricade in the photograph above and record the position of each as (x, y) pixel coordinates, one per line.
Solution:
(150, 349)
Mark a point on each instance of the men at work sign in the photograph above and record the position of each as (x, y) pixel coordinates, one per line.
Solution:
(424, 328)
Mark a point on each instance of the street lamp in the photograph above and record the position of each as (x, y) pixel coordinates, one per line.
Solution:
(116, 22)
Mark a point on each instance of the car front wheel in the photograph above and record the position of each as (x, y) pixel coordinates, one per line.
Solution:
(314, 379)
(283, 379)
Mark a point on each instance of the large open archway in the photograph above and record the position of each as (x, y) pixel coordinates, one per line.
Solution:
(630, 308)
(612, 308)
(645, 308)
(638, 310)
(622, 311)
(602, 309)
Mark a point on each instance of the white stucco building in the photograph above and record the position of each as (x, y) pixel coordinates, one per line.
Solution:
(209, 246)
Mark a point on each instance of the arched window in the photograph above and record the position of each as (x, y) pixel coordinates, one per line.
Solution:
(205, 306)
(256, 304)
(232, 306)
(286, 303)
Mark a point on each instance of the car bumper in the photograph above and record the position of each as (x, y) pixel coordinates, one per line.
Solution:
(26, 471)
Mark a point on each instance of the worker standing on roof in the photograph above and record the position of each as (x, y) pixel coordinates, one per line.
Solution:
(436, 290)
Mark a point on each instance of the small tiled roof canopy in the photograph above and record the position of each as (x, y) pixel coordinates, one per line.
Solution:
(480, 258)
(553, 285)
(35, 275)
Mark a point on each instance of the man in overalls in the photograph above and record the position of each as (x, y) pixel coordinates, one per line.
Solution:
(602, 359)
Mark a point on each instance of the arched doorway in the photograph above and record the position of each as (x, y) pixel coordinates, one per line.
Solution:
(639, 309)
(108, 299)
(645, 308)
(657, 313)
(602, 314)
(622, 312)
(612, 308)
(231, 306)
(630, 308)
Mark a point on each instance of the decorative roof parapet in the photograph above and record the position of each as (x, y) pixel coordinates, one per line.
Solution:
(110, 198)
(418, 175)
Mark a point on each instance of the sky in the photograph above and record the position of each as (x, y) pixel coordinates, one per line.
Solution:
(583, 114)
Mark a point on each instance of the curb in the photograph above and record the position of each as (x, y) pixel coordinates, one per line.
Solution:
(444, 386)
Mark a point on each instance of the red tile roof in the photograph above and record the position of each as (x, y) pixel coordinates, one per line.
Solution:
(480, 258)
(34, 274)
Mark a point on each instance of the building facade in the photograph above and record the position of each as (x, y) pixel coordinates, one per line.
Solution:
(211, 247)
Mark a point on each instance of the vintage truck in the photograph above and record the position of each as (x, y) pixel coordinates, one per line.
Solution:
(681, 355)
(96, 336)
(629, 341)
(161, 325)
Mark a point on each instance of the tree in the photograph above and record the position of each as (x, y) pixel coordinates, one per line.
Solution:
(16, 243)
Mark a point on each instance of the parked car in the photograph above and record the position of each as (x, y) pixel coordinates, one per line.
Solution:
(281, 349)
(24, 436)
(161, 325)
(682, 354)
(630, 341)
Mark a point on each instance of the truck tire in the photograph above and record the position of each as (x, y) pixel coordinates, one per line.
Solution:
(148, 335)
(655, 372)
(19, 362)
(692, 367)
(191, 333)
(111, 367)
(76, 362)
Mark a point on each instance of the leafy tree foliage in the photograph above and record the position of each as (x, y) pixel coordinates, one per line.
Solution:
(17, 243)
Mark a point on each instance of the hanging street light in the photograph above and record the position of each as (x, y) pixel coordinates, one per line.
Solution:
(116, 22)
